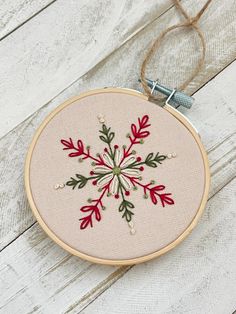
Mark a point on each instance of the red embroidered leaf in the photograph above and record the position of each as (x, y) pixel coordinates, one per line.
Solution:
(153, 195)
(87, 208)
(80, 145)
(78, 150)
(67, 144)
(143, 122)
(143, 134)
(153, 198)
(134, 129)
(88, 220)
(158, 188)
(85, 221)
(74, 154)
(166, 200)
(97, 215)
(138, 133)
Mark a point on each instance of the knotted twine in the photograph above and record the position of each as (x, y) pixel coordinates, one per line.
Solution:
(191, 22)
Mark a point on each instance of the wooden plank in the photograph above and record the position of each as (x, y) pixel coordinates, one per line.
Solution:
(35, 274)
(15, 13)
(60, 44)
(198, 277)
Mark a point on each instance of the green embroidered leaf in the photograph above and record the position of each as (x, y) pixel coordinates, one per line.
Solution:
(159, 158)
(111, 136)
(107, 136)
(105, 129)
(121, 207)
(127, 215)
(103, 138)
(151, 164)
(149, 156)
(81, 182)
(129, 204)
(152, 161)
(124, 208)
(73, 182)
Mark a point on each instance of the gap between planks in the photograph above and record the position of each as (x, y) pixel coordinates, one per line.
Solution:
(20, 234)
(30, 17)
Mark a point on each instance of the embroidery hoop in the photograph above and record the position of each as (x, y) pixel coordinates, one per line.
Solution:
(140, 259)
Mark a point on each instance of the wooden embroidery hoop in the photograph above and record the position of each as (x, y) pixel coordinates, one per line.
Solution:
(140, 259)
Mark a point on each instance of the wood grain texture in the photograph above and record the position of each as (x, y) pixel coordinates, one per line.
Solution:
(35, 274)
(61, 44)
(15, 13)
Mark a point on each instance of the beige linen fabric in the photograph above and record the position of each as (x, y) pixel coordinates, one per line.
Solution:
(156, 227)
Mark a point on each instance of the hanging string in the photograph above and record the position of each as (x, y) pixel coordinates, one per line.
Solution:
(190, 22)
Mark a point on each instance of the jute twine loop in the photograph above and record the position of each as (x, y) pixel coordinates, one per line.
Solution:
(190, 22)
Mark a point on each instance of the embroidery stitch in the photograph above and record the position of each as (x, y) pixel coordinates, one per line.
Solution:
(116, 172)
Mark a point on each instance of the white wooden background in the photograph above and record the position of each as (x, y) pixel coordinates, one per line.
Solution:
(53, 49)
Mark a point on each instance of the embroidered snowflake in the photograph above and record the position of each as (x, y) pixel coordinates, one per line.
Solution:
(116, 172)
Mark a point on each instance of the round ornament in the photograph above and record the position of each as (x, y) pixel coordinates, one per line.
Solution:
(116, 179)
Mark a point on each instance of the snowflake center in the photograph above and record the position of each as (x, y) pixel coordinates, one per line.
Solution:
(116, 170)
